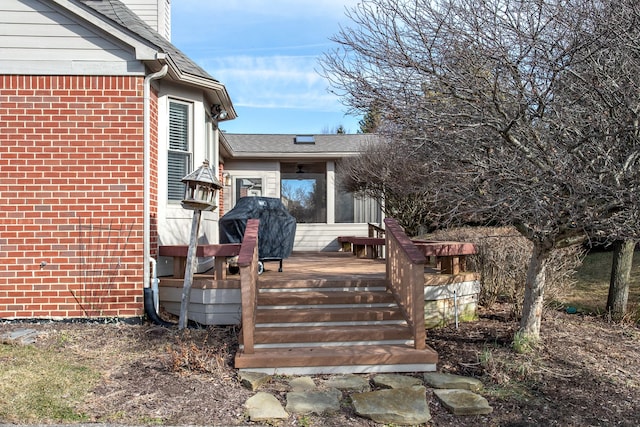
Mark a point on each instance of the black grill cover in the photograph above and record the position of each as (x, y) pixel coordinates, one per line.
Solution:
(277, 226)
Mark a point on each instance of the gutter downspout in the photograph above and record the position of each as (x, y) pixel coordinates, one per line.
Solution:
(149, 305)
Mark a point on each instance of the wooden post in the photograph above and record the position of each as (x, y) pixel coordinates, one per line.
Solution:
(192, 259)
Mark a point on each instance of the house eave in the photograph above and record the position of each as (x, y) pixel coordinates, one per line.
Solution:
(289, 155)
(216, 91)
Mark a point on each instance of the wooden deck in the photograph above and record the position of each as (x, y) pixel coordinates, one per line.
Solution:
(324, 266)
(325, 312)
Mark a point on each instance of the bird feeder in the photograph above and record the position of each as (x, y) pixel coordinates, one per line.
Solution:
(201, 189)
(199, 195)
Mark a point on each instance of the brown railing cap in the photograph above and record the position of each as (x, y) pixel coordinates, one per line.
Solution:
(249, 242)
(413, 253)
(210, 250)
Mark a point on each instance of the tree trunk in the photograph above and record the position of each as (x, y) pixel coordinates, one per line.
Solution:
(534, 292)
(620, 276)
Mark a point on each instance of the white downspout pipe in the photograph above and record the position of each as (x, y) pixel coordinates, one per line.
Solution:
(146, 211)
(154, 285)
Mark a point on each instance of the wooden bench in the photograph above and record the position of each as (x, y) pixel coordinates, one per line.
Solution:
(450, 256)
(362, 247)
(220, 252)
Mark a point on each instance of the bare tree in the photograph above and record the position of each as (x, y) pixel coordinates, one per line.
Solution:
(482, 96)
(620, 276)
(606, 93)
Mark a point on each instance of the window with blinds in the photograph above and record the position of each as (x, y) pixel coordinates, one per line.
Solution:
(179, 157)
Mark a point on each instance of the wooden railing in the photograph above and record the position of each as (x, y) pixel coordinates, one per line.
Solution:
(405, 273)
(374, 230)
(248, 263)
(450, 257)
(219, 251)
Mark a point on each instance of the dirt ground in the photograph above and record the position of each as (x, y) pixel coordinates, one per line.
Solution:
(585, 373)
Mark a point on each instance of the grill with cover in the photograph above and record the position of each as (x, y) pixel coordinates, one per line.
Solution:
(276, 232)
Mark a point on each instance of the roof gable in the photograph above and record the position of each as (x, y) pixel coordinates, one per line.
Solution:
(127, 25)
(41, 38)
(120, 14)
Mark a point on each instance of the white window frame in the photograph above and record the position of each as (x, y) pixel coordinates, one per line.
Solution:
(187, 154)
(235, 188)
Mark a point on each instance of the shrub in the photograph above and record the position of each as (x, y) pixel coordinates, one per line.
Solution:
(502, 261)
(205, 351)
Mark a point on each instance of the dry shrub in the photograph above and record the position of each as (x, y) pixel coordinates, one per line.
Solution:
(203, 350)
(502, 261)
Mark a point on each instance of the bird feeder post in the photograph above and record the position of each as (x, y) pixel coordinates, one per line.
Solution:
(200, 195)
(190, 268)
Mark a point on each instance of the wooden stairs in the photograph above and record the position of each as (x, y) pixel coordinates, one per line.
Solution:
(322, 326)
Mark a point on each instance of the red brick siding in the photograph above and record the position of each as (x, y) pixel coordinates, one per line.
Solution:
(153, 179)
(71, 167)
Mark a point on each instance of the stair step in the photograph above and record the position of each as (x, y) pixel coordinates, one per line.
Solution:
(334, 288)
(351, 314)
(322, 283)
(328, 359)
(310, 298)
(331, 326)
(287, 324)
(343, 334)
(368, 343)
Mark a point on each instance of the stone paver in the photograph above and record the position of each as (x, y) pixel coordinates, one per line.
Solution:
(439, 380)
(302, 384)
(463, 402)
(349, 383)
(395, 381)
(316, 401)
(253, 380)
(401, 399)
(264, 406)
(405, 406)
(20, 337)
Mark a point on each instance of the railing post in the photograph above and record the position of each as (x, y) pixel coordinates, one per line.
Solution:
(248, 263)
(405, 273)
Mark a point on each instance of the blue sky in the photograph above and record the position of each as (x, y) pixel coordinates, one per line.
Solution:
(266, 53)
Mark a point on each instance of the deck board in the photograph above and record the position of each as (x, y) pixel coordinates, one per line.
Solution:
(332, 356)
(308, 334)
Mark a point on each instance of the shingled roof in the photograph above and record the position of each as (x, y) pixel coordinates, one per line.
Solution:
(284, 145)
(117, 12)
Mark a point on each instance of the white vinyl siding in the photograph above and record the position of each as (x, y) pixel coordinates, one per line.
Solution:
(324, 237)
(38, 39)
(179, 156)
(156, 13)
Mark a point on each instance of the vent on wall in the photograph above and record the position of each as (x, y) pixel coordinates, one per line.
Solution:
(305, 139)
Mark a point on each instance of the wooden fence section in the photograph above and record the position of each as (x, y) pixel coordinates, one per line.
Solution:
(405, 273)
(248, 263)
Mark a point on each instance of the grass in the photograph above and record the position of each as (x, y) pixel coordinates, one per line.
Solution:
(41, 386)
(523, 344)
(592, 287)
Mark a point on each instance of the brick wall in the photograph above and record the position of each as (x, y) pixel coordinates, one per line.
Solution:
(71, 168)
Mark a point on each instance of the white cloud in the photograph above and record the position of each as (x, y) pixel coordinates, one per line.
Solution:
(264, 52)
(274, 82)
